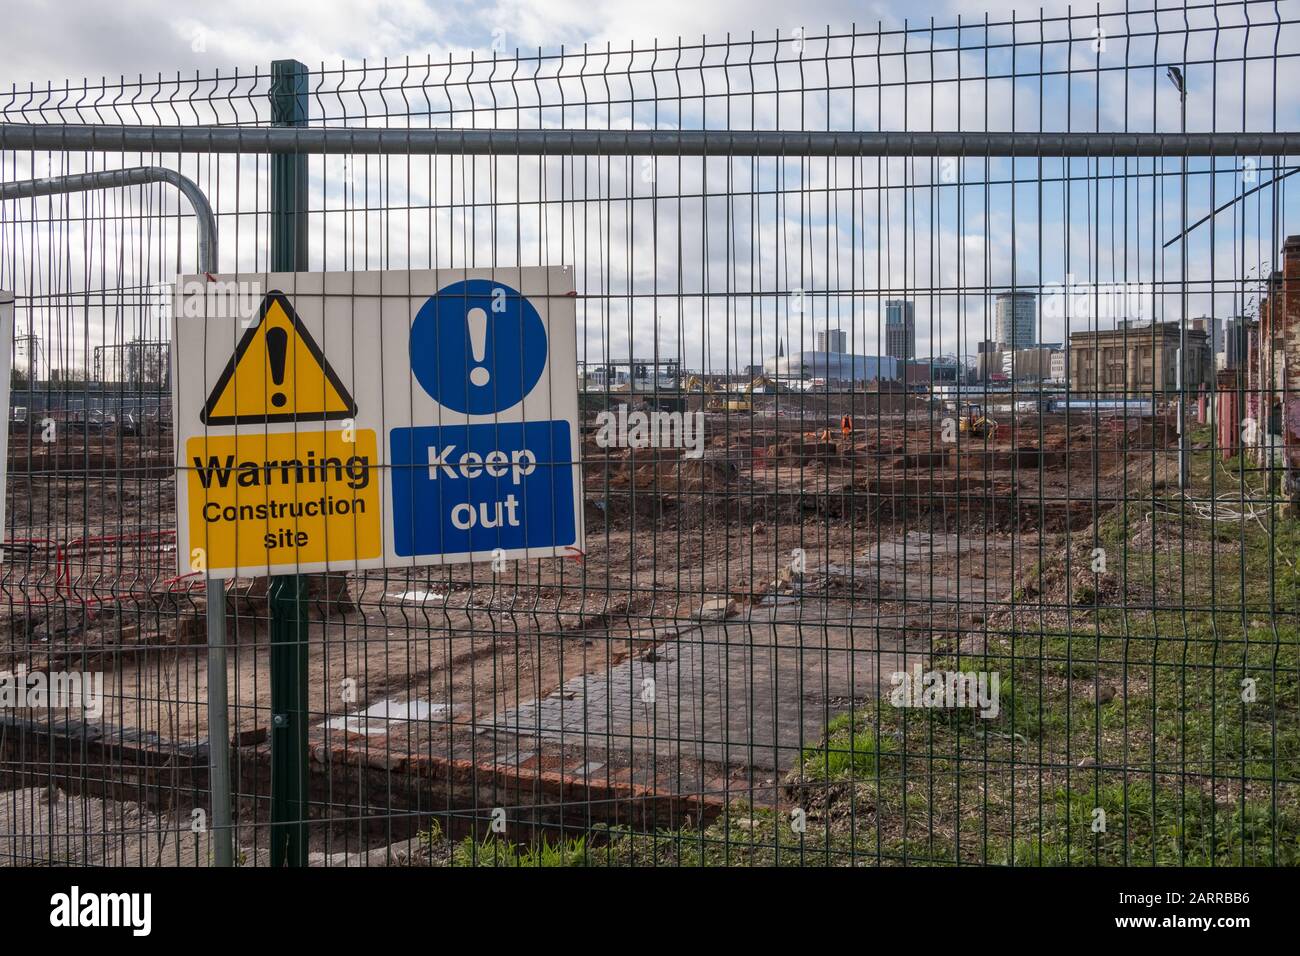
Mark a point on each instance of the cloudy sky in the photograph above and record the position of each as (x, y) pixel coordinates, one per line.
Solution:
(705, 259)
(69, 39)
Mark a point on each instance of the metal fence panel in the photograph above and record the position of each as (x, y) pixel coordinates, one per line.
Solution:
(967, 535)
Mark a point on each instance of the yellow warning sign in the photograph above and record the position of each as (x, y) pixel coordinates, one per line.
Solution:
(283, 499)
(277, 374)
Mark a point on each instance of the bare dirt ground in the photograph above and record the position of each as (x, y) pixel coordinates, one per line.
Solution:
(758, 593)
(57, 828)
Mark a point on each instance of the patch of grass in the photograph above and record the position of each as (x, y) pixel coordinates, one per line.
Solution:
(1159, 725)
(848, 751)
(1132, 823)
(496, 851)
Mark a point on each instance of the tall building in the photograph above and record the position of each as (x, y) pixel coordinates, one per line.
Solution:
(900, 329)
(1211, 327)
(833, 340)
(1235, 338)
(1014, 319)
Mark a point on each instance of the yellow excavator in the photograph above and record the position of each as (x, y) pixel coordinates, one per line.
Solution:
(697, 384)
(721, 399)
(712, 401)
(761, 384)
(975, 421)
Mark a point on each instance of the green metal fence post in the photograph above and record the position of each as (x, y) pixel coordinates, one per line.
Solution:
(286, 593)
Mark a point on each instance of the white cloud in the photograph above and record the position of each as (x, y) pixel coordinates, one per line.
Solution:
(71, 39)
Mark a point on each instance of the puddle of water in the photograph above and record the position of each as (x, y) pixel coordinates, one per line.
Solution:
(376, 718)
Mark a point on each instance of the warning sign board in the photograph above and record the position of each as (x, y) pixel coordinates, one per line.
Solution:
(277, 374)
(283, 498)
(336, 421)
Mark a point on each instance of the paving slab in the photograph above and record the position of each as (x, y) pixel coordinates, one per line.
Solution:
(748, 693)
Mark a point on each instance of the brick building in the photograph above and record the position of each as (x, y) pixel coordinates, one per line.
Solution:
(1273, 369)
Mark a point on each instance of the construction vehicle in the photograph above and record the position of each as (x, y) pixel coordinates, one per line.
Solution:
(715, 398)
(726, 399)
(975, 422)
(761, 384)
(700, 385)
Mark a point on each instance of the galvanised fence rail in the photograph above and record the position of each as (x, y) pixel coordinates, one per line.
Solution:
(936, 455)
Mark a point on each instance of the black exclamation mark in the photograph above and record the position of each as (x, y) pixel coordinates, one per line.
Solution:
(277, 346)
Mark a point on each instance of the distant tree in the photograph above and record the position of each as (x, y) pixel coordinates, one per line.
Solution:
(146, 363)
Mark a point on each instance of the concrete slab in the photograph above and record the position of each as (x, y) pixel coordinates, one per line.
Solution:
(745, 694)
(384, 716)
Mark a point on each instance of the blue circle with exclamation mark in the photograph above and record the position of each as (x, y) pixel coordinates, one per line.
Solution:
(478, 347)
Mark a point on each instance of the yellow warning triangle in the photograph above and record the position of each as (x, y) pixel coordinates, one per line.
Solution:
(277, 374)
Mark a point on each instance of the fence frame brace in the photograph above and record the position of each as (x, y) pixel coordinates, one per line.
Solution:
(580, 142)
(219, 825)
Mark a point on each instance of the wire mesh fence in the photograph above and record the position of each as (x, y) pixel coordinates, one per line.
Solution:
(939, 495)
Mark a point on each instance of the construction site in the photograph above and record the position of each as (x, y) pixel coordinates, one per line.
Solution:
(870, 446)
(819, 544)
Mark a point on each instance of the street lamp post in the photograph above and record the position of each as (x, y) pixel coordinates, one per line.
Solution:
(1176, 78)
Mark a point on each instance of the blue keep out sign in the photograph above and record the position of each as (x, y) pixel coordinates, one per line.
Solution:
(461, 487)
(478, 347)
